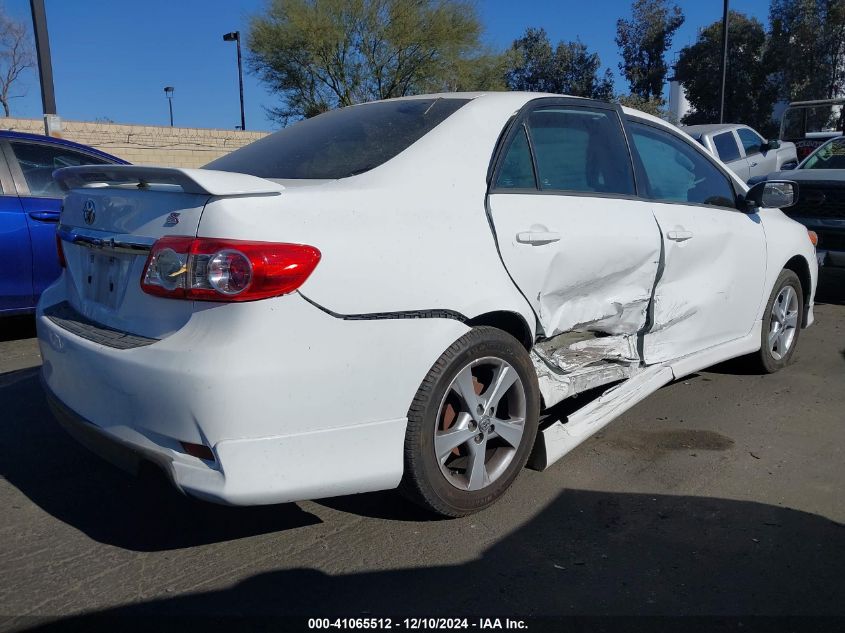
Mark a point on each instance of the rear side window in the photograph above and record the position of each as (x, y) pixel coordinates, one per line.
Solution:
(750, 141)
(581, 149)
(517, 171)
(726, 146)
(38, 162)
(676, 172)
(342, 142)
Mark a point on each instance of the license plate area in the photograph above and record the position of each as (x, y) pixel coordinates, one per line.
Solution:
(105, 276)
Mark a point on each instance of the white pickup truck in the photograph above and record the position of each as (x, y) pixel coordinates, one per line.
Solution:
(743, 150)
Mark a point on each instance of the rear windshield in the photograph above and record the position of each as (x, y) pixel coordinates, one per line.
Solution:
(342, 142)
(801, 120)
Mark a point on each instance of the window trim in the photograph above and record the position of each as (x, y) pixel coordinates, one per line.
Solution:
(17, 174)
(701, 150)
(626, 119)
(7, 183)
(519, 121)
(510, 139)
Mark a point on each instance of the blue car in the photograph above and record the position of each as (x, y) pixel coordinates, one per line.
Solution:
(30, 204)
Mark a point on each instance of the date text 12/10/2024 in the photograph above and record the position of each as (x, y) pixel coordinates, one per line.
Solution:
(414, 624)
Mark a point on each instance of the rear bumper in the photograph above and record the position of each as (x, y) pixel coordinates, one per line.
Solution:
(294, 403)
(258, 471)
(126, 448)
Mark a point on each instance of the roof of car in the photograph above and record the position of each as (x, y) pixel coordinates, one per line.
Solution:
(512, 100)
(40, 138)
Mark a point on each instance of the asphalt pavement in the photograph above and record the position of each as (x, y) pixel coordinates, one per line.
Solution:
(722, 494)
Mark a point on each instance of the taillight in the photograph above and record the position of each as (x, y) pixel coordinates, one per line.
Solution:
(60, 251)
(206, 269)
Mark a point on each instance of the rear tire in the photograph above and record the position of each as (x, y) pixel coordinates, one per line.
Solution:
(472, 424)
(782, 321)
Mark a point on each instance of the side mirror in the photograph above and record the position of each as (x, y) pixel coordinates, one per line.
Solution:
(772, 144)
(772, 194)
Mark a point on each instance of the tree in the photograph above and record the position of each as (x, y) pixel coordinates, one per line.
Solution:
(483, 71)
(568, 68)
(322, 54)
(807, 48)
(652, 106)
(15, 57)
(749, 95)
(643, 41)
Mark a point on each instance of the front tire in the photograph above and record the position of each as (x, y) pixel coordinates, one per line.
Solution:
(781, 323)
(472, 424)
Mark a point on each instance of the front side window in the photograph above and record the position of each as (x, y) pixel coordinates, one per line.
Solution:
(726, 146)
(38, 162)
(831, 155)
(517, 171)
(751, 141)
(676, 172)
(580, 149)
(340, 143)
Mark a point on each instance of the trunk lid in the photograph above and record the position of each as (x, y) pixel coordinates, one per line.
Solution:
(111, 217)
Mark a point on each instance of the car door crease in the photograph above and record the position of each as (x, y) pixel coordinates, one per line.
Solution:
(649, 320)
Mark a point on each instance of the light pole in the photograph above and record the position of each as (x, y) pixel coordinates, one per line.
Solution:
(725, 18)
(235, 36)
(168, 92)
(52, 123)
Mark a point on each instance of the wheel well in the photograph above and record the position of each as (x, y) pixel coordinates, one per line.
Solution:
(799, 266)
(510, 322)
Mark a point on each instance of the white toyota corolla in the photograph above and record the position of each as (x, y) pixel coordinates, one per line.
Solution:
(388, 295)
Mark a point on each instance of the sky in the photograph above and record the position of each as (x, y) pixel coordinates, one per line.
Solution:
(112, 58)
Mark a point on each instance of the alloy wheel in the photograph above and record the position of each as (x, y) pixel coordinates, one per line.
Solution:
(784, 322)
(480, 423)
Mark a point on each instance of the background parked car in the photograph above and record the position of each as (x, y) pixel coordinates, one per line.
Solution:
(743, 150)
(30, 202)
(821, 203)
(808, 124)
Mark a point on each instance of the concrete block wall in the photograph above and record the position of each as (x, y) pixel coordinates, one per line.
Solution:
(146, 144)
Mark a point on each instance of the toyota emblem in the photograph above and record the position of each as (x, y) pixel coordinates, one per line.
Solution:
(89, 211)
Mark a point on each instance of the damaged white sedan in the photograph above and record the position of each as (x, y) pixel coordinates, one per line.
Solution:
(388, 295)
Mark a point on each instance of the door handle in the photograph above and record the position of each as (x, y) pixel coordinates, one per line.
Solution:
(679, 236)
(537, 237)
(753, 164)
(45, 216)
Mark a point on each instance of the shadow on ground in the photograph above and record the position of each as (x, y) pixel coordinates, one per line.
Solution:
(592, 553)
(143, 514)
(16, 328)
(742, 366)
(831, 287)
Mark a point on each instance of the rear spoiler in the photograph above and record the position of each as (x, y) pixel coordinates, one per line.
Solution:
(202, 181)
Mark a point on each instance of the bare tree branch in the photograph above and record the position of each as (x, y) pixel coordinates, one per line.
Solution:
(16, 56)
